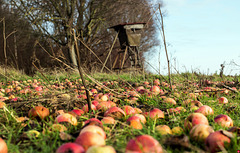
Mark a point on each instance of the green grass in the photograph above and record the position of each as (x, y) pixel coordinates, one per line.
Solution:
(118, 135)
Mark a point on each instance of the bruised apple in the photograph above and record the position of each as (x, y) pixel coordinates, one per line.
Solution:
(3, 146)
(38, 111)
(70, 148)
(223, 120)
(143, 144)
(88, 139)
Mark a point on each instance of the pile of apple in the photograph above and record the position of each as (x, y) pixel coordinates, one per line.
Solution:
(91, 138)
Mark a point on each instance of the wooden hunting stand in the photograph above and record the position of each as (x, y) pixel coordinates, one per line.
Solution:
(129, 35)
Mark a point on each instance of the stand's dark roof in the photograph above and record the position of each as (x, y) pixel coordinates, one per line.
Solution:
(123, 24)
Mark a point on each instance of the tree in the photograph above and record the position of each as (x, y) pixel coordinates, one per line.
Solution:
(90, 19)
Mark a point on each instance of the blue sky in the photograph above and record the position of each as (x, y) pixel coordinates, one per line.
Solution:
(201, 35)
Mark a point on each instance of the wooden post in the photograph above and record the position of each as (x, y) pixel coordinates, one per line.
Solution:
(165, 45)
(110, 52)
(80, 72)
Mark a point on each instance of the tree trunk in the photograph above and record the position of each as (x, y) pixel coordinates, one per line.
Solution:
(71, 49)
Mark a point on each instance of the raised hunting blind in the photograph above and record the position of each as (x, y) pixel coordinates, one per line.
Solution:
(129, 35)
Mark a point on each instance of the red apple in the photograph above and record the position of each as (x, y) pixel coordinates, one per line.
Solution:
(216, 141)
(143, 144)
(93, 121)
(88, 139)
(156, 113)
(129, 110)
(222, 100)
(205, 110)
(200, 132)
(3, 146)
(156, 90)
(223, 120)
(142, 118)
(38, 111)
(70, 147)
(101, 149)
(194, 119)
(78, 112)
(94, 129)
(105, 105)
(66, 117)
(108, 120)
(115, 112)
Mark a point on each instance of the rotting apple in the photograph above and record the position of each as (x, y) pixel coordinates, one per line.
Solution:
(88, 139)
(223, 120)
(143, 144)
(94, 129)
(101, 149)
(3, 146)
(217, 141)
(38, 111)
(70, 147)
(200, 132)
(194, 119)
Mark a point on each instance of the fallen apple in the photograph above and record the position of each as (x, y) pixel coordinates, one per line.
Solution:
(156, 113)
(3, 146)
(101, 149)
(38, 111)
(170, 101)
(115, 112)
(205, 110)
(143, 144)
(194, 119)
(222, 100)
(217, 141)
(66, 117)
(88, 139)
(70, 148)
(163, 129)
(200, 132)
(108, 120)
(94, 129)
(223, 120)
